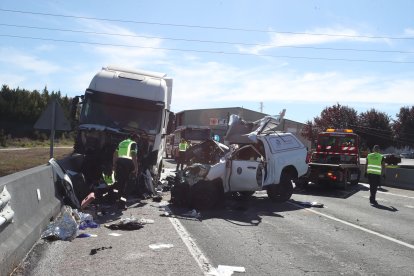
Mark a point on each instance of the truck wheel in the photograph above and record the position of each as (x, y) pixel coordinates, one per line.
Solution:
(204, 195)
(356, 181)
(283, 191)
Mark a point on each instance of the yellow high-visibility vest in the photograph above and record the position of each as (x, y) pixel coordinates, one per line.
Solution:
(183, 146)
(374, 161)
(124, 149)
(109, 179)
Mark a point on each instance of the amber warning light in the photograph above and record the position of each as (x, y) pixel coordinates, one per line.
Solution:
(339, 130)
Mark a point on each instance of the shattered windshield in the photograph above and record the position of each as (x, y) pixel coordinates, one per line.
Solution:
(121, 112)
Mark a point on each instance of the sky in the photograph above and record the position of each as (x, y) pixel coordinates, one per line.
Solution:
(298, 55)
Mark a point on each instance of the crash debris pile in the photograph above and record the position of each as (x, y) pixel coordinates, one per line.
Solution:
(70, 221)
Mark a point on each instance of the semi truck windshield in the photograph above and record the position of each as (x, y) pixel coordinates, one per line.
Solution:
(120, 113)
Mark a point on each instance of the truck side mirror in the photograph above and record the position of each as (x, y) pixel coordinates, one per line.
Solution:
(171, 123)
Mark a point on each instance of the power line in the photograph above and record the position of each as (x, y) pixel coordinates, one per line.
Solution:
(207, 51)
(203, 27)
(208, 41)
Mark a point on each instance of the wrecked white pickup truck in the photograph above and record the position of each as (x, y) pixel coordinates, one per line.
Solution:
(258, 158)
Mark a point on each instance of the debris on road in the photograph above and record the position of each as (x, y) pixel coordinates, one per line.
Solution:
(87, 200)
(114, 234)
(308, 203)
(127, 224)
(95, 250)
(193, 214)
(144, 221)
(63, 228)
(157, 246)
(86, 235)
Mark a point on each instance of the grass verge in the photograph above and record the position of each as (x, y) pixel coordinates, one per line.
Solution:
(12, 161)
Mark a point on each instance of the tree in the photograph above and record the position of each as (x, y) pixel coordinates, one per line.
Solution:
(374, 128)
(404, 126)
(336, 116)
(310, 131)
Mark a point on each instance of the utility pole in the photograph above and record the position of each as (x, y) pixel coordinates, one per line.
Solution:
(261, 107)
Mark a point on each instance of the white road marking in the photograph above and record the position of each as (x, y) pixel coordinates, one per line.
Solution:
(202, 261)
(356, 226)
(409, 206)
(387, 193)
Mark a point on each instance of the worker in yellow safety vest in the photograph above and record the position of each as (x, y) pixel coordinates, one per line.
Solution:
(125, 163)
(109, 178)
(182, 148)
(374, 168)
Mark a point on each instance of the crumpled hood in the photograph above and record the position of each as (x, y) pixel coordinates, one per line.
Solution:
(207, 152)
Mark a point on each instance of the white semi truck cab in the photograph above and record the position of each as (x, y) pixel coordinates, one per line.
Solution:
(118, 102)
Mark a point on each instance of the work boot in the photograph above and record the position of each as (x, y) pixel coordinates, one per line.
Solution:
(373, 201)
(121, 205)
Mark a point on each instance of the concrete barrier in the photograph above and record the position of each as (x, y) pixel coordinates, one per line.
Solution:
(401, 177)
(35, 202)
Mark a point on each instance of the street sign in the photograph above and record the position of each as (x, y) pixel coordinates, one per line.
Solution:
(52, 119)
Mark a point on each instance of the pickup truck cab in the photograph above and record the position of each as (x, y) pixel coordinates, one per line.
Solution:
(262, 159)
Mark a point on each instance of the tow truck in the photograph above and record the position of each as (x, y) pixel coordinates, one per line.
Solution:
(336, 158)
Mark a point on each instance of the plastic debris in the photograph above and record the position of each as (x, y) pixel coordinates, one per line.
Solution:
(63, 228)
(157, 246)
(86, 235)
(86, 221)
(193, 213)
(146, 221)
(309, 203)
(115, 234)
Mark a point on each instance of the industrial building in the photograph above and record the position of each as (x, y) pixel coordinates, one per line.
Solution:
(217, 120)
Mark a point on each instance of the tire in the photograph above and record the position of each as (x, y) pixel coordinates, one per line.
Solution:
(204, 195)
(180, 194)
(356, 181)
(283, 191)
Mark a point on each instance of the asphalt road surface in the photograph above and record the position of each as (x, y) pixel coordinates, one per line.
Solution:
(346, 237)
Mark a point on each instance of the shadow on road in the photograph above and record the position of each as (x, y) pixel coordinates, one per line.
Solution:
(386, 208)
(242, 211)
(330, 191)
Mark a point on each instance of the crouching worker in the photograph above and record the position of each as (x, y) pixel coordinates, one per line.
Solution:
(125, 163)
